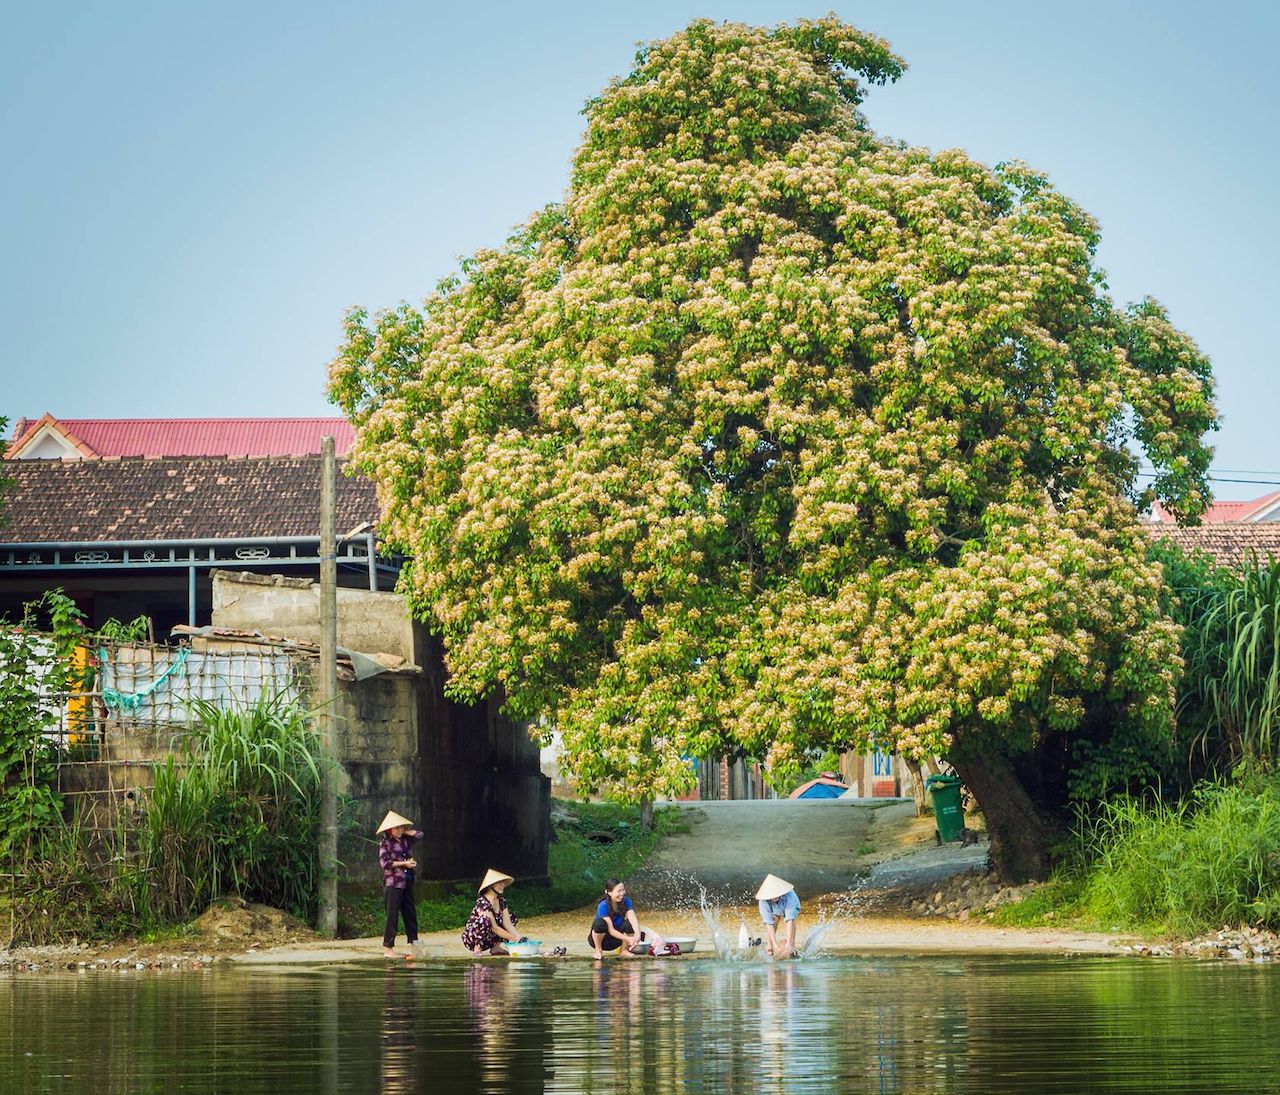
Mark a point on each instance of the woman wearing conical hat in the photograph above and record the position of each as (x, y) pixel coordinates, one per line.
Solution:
(398, 866)
(778, 902)
(490, 920)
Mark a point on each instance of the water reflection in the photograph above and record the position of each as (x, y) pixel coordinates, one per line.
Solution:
(886, 1025)
(398, 1035)
(509, 1025)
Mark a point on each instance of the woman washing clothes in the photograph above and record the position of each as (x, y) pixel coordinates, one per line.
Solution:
(779, 908)
(491, 921)
(615, 924)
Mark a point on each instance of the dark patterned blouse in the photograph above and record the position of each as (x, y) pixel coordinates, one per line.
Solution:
(391, 849)
(478, 934)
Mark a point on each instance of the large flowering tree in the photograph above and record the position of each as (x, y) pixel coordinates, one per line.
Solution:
(775, 435)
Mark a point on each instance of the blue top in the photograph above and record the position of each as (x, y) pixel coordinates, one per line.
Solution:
(620, 917)
(787, 907)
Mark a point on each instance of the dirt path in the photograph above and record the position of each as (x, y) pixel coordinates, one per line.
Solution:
(821, 846)
(731, 846)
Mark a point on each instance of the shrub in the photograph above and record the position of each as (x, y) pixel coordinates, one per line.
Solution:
(238, 814)
(1212, 859)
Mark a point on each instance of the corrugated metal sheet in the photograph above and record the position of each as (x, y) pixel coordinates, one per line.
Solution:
(207, 436)
(1218, 512)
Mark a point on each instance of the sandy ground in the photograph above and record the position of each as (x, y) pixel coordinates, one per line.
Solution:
(857, 935)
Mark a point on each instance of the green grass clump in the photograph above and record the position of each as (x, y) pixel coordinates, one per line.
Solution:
(237, 812)
(1058, 900)
(240, 814)
(1212, 859)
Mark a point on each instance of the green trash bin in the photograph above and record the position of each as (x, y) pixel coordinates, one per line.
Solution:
(945, 791)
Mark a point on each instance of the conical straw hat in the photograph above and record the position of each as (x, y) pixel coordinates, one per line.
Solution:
(773, 887)
(392, 820)
(491, 876)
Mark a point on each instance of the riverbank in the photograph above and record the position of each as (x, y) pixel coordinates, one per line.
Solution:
(854, 935)
(871, 869)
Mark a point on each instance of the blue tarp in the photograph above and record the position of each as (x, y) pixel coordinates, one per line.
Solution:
(822, 790)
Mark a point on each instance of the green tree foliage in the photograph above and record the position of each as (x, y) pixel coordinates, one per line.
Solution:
(779, 435)
(36, 670)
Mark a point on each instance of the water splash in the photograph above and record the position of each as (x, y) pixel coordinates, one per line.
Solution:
(847, 906)
(813, 941)
(728, 948)
(719, 937)
(694, 897)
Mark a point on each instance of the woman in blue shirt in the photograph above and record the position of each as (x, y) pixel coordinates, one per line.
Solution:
(778, 901)
(614, 917)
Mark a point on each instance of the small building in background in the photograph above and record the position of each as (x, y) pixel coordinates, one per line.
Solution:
(130, 517)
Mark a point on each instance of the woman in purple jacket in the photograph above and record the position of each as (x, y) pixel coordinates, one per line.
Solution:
(398, 865)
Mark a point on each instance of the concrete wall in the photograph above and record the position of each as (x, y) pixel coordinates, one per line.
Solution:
(368, 622)
(467, 776)
(489, 803)
(379, 730)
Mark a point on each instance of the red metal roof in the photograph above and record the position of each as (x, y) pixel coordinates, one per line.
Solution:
(1219, 512)
(107, 437)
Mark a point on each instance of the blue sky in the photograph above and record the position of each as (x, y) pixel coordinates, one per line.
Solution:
(194, 192)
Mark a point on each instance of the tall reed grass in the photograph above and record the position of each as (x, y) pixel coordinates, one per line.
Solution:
(237, 813)
(1212, 859)
(1233, 663)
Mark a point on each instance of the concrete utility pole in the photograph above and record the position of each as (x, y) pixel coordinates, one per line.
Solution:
(327, 695)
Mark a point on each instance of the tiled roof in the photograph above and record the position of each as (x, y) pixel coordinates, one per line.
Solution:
(191, 436)
(1230, 543)
(67, 501)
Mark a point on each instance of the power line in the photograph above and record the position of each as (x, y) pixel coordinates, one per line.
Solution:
(1223, 479)
(1267, 472)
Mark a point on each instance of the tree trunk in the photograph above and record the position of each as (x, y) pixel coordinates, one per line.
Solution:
(917, 784)
(1020, 836)
(646, 814)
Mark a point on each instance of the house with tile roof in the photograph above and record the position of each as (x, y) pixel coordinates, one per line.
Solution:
(132, 516)
(136, 517)
(1232, 533)
(1229, 543)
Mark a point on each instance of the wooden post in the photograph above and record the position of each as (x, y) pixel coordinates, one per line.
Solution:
(327, 697)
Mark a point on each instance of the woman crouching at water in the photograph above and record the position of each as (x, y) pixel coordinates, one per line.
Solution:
(614, 917)
(779, 908)
(490, 919)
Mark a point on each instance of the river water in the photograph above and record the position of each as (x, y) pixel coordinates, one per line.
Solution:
(920, 1024)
